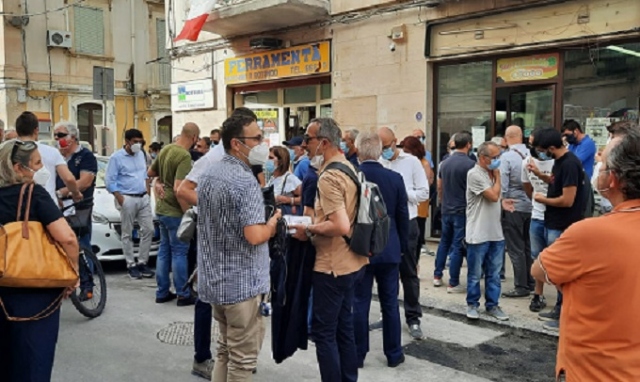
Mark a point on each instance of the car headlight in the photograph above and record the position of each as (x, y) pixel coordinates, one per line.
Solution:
(99, 218)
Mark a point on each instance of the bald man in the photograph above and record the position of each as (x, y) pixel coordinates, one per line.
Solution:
(171, 167)
(516, 218)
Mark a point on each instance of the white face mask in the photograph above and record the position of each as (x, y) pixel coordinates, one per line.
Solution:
(41, 176)
(136, 147)
(317, 161)
(257, 154)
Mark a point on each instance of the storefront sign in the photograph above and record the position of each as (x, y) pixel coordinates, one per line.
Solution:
(266, 114)
(192, 95)
(530, 68)
(290, 62)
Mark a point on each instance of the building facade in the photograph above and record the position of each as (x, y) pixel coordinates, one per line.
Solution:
(100, 63)
(437, 65)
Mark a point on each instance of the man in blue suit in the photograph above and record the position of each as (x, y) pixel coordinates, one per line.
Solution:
(385, 266)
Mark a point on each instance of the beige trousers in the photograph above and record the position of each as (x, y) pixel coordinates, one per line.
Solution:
(241, 335)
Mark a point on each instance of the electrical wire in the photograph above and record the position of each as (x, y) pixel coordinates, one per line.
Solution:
(62, 8)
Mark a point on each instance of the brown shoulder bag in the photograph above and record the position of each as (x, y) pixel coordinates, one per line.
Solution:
(29, 257)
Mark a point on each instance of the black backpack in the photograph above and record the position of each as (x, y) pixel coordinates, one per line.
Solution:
(372, 224)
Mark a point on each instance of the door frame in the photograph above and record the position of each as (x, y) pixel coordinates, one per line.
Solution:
(523, 89)
(93, 134)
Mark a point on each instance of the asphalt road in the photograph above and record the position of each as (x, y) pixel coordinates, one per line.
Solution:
(138, 340)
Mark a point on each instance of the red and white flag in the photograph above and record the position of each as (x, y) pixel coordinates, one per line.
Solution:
(198, 14)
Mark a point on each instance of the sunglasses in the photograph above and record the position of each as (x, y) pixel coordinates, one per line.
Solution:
(21, 145)
(61, 135)
(307, 138)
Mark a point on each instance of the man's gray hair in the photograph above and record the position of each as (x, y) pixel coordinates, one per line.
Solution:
(71, 128)
(623, 160)
(485, 148)
(329, 130)
(369, 146)
(352, 134)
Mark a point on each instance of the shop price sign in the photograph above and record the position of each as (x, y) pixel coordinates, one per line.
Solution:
(530, 68)
(284, 63)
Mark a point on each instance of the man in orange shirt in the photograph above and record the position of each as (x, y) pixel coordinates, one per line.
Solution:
(596, 263)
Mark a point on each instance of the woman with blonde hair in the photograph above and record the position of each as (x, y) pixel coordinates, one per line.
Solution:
(286, 186)
(28, 347)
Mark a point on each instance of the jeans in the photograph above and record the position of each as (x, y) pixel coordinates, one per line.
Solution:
(487, 256)
(516, 226)
(538, 236)
(332, 326)
(386, 276)
(409, 278)
(453, 231)
(27, 349)
(172, 256)
(552, 236)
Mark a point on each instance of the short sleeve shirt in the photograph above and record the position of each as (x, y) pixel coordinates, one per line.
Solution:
(567, 172)
(453, 173)
(43, 208)
(51, 159)
(81, 161)
(538, 185)
(596, 262)
(173, 163)
(231, 270)
(336, 191)
(285, 184)
(483, 215)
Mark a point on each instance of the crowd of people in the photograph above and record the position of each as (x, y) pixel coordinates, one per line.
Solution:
(525, 197)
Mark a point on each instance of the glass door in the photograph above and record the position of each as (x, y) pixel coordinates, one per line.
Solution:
(530, 107)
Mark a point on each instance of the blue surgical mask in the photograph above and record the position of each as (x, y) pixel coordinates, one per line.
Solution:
(388, 153)
(292, 154)
(495, 163)
(542, 155)
(423, 140)
(270, 166)
(343, 147)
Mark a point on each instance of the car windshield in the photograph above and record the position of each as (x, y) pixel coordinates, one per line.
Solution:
(102, 169)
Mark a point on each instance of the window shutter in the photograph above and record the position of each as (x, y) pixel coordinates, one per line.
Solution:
(164, 65)
(89, 30)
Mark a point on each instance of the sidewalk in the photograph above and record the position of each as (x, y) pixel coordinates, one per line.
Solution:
(438, 299)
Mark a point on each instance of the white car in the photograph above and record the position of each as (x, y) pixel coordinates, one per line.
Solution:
(106, 227)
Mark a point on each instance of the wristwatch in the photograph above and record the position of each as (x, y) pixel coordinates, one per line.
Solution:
(59, 194)
(308, 231)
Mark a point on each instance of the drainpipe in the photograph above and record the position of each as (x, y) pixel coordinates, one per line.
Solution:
(132, 14)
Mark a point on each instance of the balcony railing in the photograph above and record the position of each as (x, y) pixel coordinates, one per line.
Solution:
(245, 17)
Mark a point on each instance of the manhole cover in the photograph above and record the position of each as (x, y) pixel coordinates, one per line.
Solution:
(181, 333)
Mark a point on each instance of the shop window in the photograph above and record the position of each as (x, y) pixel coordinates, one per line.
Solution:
(261, 98)
(89, 30)
(325, 91)
(302, 94)
(464, 101)
(602, 83)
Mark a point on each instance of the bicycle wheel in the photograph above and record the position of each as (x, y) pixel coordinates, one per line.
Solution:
(91, 298)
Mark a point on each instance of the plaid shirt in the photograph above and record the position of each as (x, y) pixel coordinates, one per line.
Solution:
(230, 270)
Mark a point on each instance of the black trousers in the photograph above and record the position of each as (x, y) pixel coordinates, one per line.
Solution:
(516, 233)
(409, 277)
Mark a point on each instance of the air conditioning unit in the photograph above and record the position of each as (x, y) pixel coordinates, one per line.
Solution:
(59, 39)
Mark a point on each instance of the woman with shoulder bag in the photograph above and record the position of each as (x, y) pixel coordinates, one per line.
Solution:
(29, 317)
(285, 185)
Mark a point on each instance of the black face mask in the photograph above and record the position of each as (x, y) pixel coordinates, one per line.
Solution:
(215, 142)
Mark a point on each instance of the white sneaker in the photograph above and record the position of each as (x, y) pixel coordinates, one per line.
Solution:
(437, 282)
(456, 289)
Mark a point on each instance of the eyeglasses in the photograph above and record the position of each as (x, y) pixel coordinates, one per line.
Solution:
(21, 145)
(492, 157)
(258, 138)
(61, 135)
